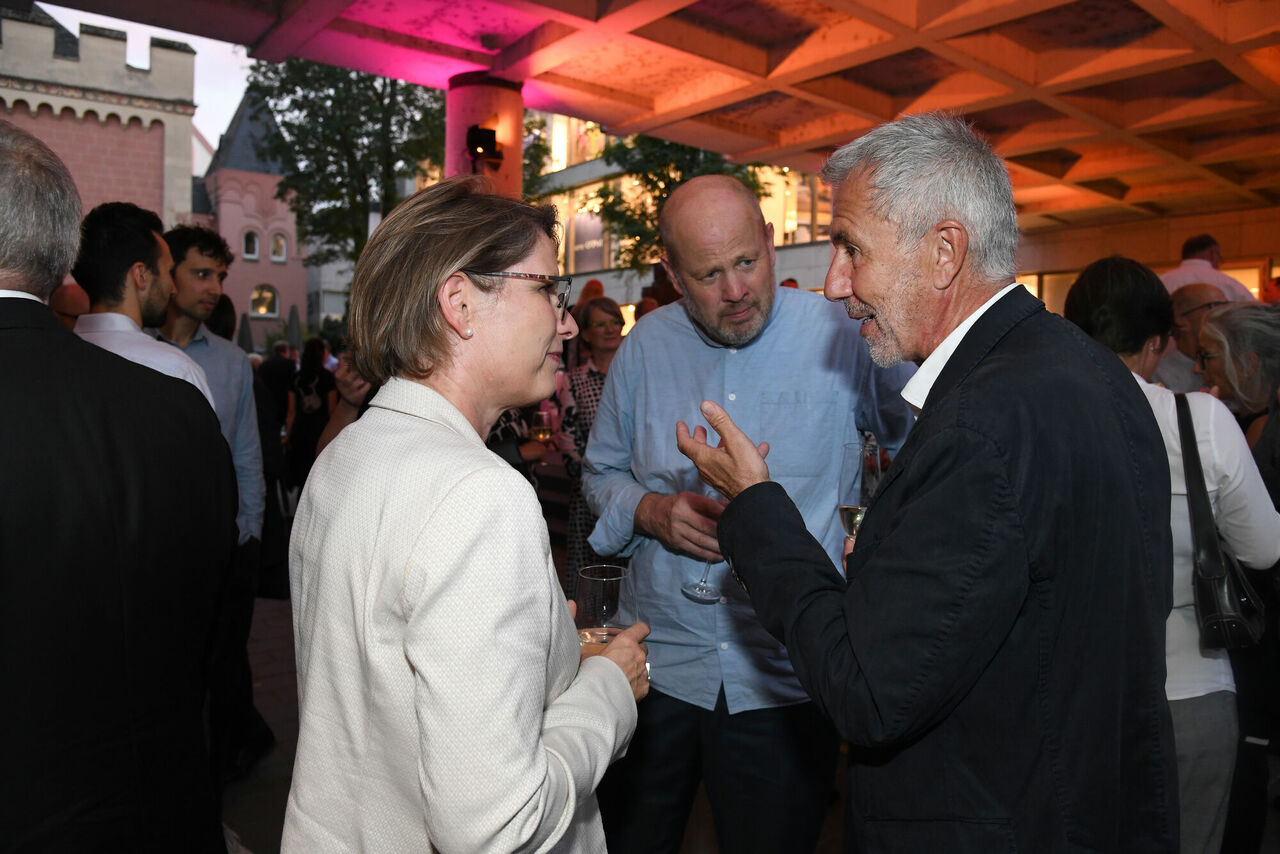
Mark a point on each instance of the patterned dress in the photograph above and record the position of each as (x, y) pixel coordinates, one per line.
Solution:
(578, 397)
(508, 433)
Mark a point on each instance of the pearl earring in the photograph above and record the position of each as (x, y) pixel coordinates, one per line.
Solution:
(467, 333)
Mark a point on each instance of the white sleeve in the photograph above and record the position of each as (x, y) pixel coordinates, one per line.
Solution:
(503, 767)
(1243, 510)
(609, 483)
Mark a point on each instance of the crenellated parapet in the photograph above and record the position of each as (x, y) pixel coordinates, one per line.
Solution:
(35, 47)
(50, 78)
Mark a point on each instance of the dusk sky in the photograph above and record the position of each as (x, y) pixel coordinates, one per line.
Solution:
(221, 68)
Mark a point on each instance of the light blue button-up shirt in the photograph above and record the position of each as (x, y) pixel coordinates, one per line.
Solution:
(806, 385)
(231, 379)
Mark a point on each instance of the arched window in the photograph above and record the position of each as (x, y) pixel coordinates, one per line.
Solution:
(250, 248)
(264, 302)
(279, 248)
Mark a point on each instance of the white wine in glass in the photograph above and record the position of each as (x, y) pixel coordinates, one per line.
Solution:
(593, 640)
(606, 599)
(851, 518)
(540, 428)
(860, 473)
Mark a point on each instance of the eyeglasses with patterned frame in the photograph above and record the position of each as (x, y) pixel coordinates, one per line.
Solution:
(564, 285)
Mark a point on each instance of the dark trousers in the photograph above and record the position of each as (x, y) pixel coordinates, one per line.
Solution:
(1254, 669)
(768, 774)
(234, 724)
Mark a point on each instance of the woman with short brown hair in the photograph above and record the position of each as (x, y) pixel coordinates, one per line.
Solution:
(441, 701)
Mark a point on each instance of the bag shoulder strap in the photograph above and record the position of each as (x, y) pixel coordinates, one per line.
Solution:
(1204, 531)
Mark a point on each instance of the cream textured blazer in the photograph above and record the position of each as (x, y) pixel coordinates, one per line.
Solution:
(441, 704)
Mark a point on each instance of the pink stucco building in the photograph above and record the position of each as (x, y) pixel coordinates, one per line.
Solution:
(125, 134)
(236, 197)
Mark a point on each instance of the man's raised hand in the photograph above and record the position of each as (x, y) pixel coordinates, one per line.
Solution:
(732, 466)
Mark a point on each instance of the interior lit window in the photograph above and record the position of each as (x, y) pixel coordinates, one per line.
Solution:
(250, 248)
(264, 302)
(279, 248)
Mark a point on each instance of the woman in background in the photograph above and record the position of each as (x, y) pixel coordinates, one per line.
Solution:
(1124, 306)
(1240, 357)
(443, 703)
(312, 397)
(578, 396)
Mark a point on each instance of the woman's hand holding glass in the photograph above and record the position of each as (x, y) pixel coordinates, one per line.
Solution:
(608, 623)
(628, 651)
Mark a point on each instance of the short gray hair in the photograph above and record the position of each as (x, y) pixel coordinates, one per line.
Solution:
(924, 169)
(39, 214)
(1241, 328)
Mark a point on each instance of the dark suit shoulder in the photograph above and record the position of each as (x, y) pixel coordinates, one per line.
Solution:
(115, 552)
(1022, 368)
(50, 369)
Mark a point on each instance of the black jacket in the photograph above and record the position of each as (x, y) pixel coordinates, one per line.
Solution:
(116, 530)
(996, 658)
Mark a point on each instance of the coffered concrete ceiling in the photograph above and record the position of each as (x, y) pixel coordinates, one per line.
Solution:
(1106, 110)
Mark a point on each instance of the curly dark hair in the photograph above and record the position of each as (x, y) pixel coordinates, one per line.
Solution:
(206, 241)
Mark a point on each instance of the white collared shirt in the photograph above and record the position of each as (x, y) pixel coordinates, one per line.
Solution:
(1195, 271)
(19, 294)
(120, 335)
(917, 389)
(1244, 515)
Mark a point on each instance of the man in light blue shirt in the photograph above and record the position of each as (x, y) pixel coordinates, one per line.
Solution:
(238, 734)
(726, 706)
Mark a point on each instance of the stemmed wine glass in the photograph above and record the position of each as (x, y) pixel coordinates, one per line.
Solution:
(860, 473)
(700, 591)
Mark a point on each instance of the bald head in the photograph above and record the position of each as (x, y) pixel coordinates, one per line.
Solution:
(1190, 305)
(68, 302)
(719, 254)
(705, 197)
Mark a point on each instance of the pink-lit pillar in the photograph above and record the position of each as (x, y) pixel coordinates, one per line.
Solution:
(476, 98)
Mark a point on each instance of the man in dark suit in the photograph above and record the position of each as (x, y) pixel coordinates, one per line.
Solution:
(996, 657)
(110, 564)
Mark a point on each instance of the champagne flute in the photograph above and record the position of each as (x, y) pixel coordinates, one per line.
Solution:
(606, 599)
(860, 473)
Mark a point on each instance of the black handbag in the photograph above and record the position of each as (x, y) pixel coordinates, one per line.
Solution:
(1229, 611)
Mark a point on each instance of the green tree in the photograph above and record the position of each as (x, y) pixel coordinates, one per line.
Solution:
(653, 168)
(537, 153)
(344, 139)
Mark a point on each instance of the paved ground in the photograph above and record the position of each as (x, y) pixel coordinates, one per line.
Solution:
(254, 807)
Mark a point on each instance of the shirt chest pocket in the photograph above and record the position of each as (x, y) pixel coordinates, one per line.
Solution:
(805, 431)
